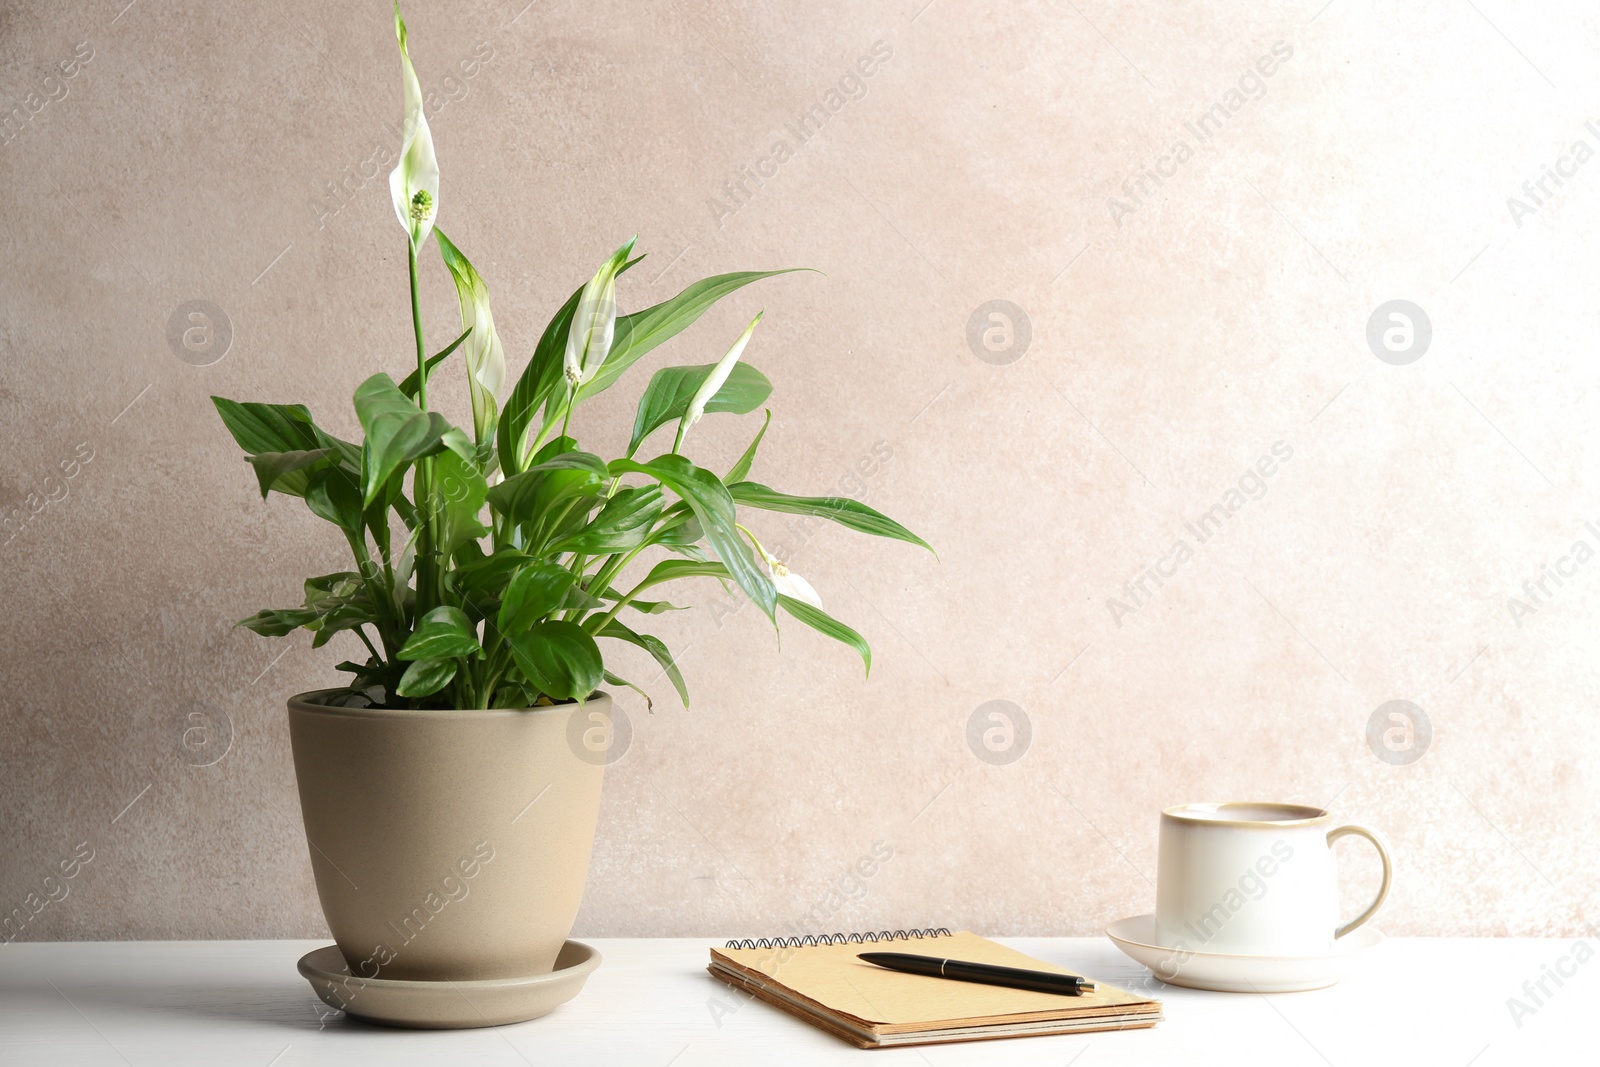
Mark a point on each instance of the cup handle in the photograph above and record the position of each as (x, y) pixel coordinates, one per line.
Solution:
(1388, 874)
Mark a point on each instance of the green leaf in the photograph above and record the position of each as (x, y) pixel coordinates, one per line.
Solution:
(286, 471)
(444, 633)
(398, 432)
(666, 399)
(458, 442)
(426, 677)
(334, 495)
(461, 489)
(538, 378)
(741, 470)
(262, 428)
(614, 679)
(573, 461)
(341, 603)
(336, 586)
(277, 622)
(410, 385)
(486, 576)
(822, 622)
(350, 455)
(515, 695)
(658, 651)
(713, 506)
(652, 607)
(372, 672)
(560, 658)
(851, 514)
(642, 331)
(579, 599)
(534, 494)
(401, 568)
(622, 524)
(535, 591)
(670, 570)
(259, 428)
(337, 617)
(553, 448)
(678, 528)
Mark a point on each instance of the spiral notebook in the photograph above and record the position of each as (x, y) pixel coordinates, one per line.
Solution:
(819, 979)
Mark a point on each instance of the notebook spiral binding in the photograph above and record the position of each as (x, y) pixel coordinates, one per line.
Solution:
(866, 937)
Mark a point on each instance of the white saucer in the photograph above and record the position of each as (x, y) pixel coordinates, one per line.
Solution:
(447, 1005)
(1231, 973)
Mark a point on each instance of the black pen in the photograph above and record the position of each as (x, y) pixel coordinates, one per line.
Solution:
(986, 973)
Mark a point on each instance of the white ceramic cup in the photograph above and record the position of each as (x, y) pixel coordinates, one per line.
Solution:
(1254, 879)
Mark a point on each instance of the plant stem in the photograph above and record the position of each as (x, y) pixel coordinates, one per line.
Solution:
(422, 481)
(361, 632)
(380, 595)
(495, 665)
(626, 599)
(608, 570)
(416, 328)
(768, 560)
(547, 530)
(601, 578)
(538, 443)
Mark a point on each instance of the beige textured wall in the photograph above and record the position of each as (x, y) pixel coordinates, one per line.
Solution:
(1173, 339)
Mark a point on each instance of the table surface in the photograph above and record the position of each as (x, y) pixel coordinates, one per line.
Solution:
(1445, 1002)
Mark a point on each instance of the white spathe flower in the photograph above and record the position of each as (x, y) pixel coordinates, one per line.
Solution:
(414, 182)
(594, 324)
(491, 357)
(791, 584)
(785, 580)
(719, 374)
(594, 321)
(486, 359)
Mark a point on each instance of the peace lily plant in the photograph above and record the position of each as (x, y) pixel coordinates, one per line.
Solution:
(490, 563)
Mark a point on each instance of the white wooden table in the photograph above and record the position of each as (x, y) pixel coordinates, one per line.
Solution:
(240, 1003)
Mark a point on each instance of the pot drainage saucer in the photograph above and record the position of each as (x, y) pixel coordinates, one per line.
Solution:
(447, 1005)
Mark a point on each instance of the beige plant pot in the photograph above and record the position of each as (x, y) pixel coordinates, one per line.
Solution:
(447, 845)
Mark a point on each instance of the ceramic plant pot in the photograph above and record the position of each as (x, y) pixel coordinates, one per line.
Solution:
(447, 845)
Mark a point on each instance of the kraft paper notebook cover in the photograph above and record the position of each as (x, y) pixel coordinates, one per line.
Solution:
(820, 980)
